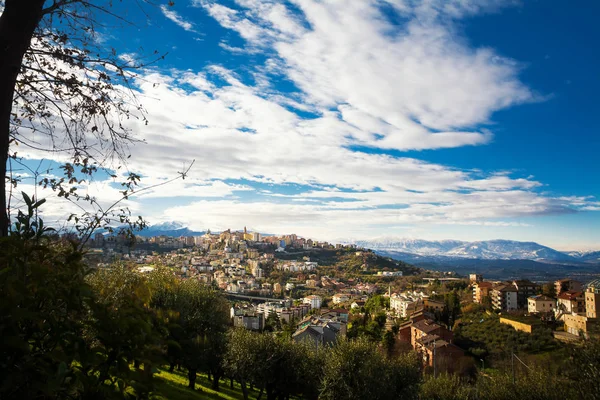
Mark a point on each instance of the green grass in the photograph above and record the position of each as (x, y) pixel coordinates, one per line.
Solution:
(173, 386)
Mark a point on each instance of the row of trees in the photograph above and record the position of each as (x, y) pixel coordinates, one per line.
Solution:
(70, 332)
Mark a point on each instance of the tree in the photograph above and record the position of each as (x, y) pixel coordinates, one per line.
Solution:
(199, 318)
(43, 298)
(65, 333)
(357, 370)
(57, 82)
(586, 369)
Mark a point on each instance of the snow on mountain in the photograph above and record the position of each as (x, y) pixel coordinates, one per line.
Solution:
(168, 226)
(585, 256)
(487, 250)
(417, 246)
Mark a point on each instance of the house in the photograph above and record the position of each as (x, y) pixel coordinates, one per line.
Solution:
(340, 298)
(504, 297)
(566, 285)
(313, 300)
(525, 289)
(570, 302)
(592, 299)
(319, 331)
(481, 290)
(440, 353)
(339, 314)
(431, 341)
(406, 303)
(253, 322)
(425, 327)
(434, 305)
(540, 304)
(578, 325)
(357, 304)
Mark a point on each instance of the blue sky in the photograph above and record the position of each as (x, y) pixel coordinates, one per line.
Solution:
(457, 119)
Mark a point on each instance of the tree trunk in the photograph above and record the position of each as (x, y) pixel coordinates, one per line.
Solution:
(231, 383)
(171, 366)
(244, 389)
(262, 388)
(192, 378)
(216, 379)
(17, 24)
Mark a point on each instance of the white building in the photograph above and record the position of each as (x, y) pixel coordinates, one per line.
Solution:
(540, 304)
(340, 298)
(406, 303)
(313, 300)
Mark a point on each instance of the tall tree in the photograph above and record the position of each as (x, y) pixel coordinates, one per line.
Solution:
(58, 83)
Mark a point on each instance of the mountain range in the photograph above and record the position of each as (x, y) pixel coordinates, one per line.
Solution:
(419, 250)
(428, 250)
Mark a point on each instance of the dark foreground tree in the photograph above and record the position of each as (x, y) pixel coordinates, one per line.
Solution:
(56, 82)
(66, 334)
(199, 318)
(358, 370)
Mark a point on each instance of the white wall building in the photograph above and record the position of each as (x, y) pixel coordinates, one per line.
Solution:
(313, 300)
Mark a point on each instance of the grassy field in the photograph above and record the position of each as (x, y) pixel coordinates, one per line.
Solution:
(173, 385)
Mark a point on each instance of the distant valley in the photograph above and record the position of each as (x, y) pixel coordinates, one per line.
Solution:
(496, 259)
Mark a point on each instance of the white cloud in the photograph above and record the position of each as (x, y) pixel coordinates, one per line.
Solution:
(365, 82)
(173, 16)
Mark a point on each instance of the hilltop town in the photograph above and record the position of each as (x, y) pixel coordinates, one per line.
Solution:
(322, 291)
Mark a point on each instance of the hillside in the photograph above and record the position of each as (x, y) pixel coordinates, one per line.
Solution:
(351, 261)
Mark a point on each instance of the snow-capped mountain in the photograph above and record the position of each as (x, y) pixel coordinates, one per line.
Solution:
(508, 250)
(586, 256)
(417, 246)
(487, 250)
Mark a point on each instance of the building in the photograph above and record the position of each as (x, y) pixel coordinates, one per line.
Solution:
(434, 305)
(440, 353)
(578, 325)
(427, 327)
(481, 290)
(405, 303)
(566, 285)
(319, 331)
(340, 298)
(313, 300)
(504, 297)
(592, 299)
(475, 278)
(252, 322)
(540, 304)
(570, 302)
(525, 289)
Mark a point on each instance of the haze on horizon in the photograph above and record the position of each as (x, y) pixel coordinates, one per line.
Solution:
(444, 119)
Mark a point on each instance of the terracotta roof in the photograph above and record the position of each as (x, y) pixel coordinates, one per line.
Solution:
(426, 326)
(541, 297)
(570, 295)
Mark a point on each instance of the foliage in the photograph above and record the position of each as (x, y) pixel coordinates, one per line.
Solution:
(279, 366)
(60, 337)
(357, 370)
(586, 369)
(198, 320)
(445, 387)
(123, 329)
(483, 335)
